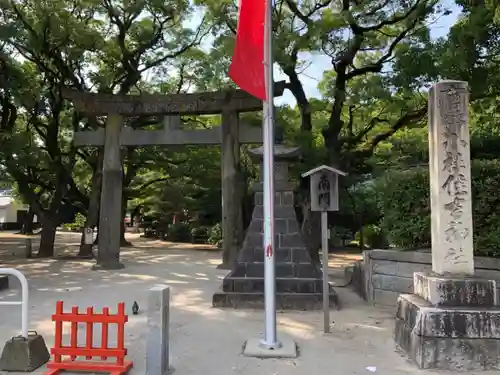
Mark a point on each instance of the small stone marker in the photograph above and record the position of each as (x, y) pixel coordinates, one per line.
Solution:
(157, 346)
(88, 236)
(28, 248)
(450, 179)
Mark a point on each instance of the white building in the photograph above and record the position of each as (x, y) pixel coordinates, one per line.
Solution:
(12, 213)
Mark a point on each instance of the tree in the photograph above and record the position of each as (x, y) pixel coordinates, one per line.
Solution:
(105, 46)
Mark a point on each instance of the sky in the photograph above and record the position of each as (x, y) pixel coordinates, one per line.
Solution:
(320, 63)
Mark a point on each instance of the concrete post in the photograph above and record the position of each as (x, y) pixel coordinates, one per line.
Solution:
(157, 346)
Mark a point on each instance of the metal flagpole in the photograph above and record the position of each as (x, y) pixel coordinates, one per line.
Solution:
(270, 340)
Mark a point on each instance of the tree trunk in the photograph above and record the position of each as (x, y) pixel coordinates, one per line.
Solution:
(123, 241)
(27, 227)
(93, 209)
(311, 230)
(47, 239)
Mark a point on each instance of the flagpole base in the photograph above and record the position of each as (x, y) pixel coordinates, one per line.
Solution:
(286, 348)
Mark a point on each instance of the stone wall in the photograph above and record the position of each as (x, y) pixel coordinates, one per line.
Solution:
(388, 273)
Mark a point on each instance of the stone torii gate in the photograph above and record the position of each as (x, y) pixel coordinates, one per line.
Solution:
(229, 135)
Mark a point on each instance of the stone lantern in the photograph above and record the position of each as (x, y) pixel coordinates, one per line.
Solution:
(298, 279)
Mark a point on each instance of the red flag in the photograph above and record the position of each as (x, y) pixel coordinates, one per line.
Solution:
(247, 66)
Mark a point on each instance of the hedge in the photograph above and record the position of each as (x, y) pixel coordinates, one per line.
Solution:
(404, 200)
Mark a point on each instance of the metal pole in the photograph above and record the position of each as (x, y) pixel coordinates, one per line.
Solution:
(24, 298)
(270, 340)
(324, 250)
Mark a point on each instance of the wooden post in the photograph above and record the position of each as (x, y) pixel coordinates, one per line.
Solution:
(324, 250)
(108, 254)
(232, 220)
(324, 197)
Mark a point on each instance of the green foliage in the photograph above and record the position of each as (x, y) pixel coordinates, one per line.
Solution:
(373, 236)
(200, 234)
(179, 232)
(215, 237)
(77, 224)
(404, 198)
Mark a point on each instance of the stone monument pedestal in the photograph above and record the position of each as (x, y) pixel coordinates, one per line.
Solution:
(450, 323)
(298, 279)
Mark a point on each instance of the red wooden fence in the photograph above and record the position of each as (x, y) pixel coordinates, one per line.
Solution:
(73, 351)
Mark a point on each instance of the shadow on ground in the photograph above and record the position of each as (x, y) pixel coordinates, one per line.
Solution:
(203, 339)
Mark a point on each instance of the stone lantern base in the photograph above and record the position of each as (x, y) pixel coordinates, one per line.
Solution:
(298, 279)
(450, 323)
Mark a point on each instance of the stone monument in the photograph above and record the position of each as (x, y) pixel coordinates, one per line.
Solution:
(452, 320)
(298, 279)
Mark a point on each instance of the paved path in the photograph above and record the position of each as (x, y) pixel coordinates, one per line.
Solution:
(204, 340)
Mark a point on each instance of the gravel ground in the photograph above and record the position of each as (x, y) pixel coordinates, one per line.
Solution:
(203, 339)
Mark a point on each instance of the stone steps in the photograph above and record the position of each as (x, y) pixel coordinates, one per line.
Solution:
(283, 285)
(284, 301)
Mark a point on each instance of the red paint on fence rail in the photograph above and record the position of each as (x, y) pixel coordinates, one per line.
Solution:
(118, 367)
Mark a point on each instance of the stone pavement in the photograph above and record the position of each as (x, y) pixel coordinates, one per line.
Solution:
(203, 339)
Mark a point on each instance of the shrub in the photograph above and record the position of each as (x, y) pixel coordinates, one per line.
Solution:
(373, 236)
(77, 224)
(215, 237)
(404, 199)
(199, 234)
(179, 232)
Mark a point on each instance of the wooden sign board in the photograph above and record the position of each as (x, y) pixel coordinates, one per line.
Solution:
(324, 192)
(324, 188)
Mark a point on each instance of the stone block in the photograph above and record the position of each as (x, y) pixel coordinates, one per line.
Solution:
(284, 270)
(291, 240)
(384, 267)
(283, 284)
(300, 255)
(280, 226)
(454, 291)
(283, 255)
(246, 254)
(4, 282)
(293, 226)
(278, 199)
(287, 198)
(256, 226)
(254, 240)
(157, 344)
(24, 354)
(392, 283)
(408, 269)
(448, 338)
(284, 301)
(258, 212)
(284, 212)
(254, 270)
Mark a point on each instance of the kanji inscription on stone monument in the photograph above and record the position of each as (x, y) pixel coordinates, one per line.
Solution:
(450, 179)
